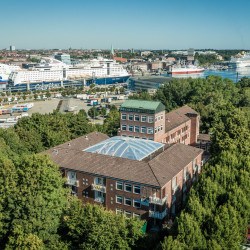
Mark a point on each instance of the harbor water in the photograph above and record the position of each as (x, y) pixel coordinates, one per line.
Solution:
(233, 74)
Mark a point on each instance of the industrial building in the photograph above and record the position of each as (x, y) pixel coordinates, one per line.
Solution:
(148, 84)
(135, 177)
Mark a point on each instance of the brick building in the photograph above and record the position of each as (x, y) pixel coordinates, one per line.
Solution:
(135, 177)
(148, 120)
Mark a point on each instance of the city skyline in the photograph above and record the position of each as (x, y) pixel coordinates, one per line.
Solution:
(138, 25)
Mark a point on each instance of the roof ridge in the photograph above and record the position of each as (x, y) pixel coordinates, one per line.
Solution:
(154, 174)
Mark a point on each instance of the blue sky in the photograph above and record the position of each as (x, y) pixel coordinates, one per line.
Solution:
(178, 24)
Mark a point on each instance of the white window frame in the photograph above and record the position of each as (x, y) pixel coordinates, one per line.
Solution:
(138, 201)
(138, 118)
(138, 129)
(152, 130)
(137, 186)
(130, 117)
(143, 116)
(123, 115)
(128, 199)
(119, 211)
(150, 118)
(118, 197)
(129, 127)
(128, 184)
(121, 183)
(124, 125)
(145, 130)
(127, 212)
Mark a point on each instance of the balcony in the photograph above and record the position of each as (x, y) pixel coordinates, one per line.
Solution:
(158, 215)
(158, 201)
(99, 188)
(72, 182)
(99, 199)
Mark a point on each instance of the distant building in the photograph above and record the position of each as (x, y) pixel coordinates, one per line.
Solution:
(147, 83)
(12, 48)
(190, 52)
(120, 59)
(145, 53)
(65, 58)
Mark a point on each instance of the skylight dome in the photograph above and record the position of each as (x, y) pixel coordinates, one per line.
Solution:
(135, 149)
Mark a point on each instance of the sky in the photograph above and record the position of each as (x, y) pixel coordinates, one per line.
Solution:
(127, 24)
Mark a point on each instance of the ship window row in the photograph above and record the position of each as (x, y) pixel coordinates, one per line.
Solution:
(138, 129)
(127, 187)
(137, 118)
(128, 201)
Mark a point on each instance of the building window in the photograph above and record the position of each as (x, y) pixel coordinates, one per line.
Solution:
(143, 130)
(119, 211)
(131, 117)
(137, 129)
(161, 116)
(143, 118)
(137, 118)
(131, 128)
(119, 185)
(137, 137)
(124, 116)
(137, 189)
(128, 214)
(137, 203)
(150, 131)
(119, 199)
(161, 127)
(150, 119)
(144, 138)
(128, 201)
(137, 215)
(124, 127)
(130, 136)
(128, 187)
(155, 130)
(85, 194)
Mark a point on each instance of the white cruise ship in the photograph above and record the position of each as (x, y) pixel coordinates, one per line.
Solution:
(240, 61)
(5, 70)
(49, 70)
(186, 69)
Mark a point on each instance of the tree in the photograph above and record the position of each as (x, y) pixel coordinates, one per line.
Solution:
(38, 207)
(92, 85)
(93, 227)
(112, 122)
(93, 112)
(103, 111)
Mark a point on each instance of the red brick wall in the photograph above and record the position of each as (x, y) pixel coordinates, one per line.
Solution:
(194, 128)
(179, 134)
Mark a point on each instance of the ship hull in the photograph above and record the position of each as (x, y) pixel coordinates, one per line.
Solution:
(107, 80)
(187, 72)
(58, 84)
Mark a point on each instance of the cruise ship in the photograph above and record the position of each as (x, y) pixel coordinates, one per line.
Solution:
(240, 61)
(5, 71)
(186, 69)
(52, 73)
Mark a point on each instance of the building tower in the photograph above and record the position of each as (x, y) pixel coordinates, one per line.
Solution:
(112, 50)
(12, 48)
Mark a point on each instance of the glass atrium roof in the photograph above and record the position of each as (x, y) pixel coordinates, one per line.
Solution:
(125, 147)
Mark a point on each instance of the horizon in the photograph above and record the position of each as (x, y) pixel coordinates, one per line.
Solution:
(140, 24)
